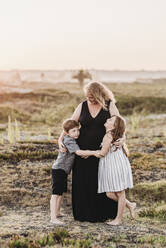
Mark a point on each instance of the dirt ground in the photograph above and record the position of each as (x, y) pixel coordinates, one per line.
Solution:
(25, 208)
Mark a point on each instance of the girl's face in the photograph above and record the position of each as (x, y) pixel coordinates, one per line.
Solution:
(110, 123)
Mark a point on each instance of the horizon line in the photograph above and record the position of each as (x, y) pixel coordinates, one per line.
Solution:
(91, 69)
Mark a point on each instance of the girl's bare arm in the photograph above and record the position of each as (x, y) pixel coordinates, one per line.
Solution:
(107, 142)
(85, 153)
(99, 153)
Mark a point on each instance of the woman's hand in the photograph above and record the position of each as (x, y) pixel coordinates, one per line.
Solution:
(119, 142)
(62, 148)
(84, 156)
(97, 154)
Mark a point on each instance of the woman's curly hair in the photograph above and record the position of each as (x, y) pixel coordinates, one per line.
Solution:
(100, 93)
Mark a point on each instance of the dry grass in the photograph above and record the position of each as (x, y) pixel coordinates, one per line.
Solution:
(29, 163)
(28, 184)
(149, 161)
(128, 89)
(150, 192)
(51, 105)
(152, 212)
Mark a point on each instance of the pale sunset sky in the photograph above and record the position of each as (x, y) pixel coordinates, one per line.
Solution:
(88, 34)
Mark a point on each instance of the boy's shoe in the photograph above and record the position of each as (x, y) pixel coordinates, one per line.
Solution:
(57, 222)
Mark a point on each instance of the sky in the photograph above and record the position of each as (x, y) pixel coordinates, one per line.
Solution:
(87, 34)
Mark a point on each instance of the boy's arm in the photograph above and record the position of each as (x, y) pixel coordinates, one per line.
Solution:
(73, 147)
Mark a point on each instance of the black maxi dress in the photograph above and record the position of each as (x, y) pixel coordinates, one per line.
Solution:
(87, 204)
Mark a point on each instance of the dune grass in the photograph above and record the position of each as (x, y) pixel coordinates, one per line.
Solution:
(128, 105)
(47, 108)
(33, 152)
(57, 237)
(6, 111)
(33, 156)
(149, 241)
(150, 191)
(51, 105)
(152, 212)
(148, 161)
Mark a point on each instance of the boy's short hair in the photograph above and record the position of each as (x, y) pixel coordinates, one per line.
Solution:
(69, 124)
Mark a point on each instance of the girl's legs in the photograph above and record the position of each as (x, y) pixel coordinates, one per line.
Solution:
(130, 205)
(121, 206)
(112, 196)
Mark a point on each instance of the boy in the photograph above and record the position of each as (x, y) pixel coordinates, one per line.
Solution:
(62, 167)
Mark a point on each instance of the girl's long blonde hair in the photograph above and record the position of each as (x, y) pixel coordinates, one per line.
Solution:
(100, 93)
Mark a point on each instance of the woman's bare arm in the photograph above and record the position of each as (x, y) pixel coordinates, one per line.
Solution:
(77, 112)
(75, 117)
(113, 109)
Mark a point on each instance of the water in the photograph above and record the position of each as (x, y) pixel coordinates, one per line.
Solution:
(13, 89)
(66, 76)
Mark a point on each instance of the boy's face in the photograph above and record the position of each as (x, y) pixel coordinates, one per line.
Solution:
(74, 132)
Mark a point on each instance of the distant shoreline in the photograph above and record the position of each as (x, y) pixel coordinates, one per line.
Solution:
(69, 70)
(15, 77)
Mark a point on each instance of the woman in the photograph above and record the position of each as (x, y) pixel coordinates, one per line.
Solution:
(88, 205)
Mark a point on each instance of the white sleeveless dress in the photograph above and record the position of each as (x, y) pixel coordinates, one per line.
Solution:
(114, 172)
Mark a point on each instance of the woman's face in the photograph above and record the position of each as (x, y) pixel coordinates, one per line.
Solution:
(90, 98)
(110, 123)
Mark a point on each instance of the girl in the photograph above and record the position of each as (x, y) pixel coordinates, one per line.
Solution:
(114, 175)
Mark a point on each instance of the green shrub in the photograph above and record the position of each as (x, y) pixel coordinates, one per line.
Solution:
(14, 113)
(146, 161)
(32, 155)
(128, 105)
(150, 191)
(60, 236)
(153, 240)
(153, 213)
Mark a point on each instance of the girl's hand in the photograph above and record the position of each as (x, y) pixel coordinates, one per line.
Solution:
(62, 148)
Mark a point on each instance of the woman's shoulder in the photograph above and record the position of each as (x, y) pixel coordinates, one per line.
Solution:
(82, 104)
(113, 109)
(81, 107)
